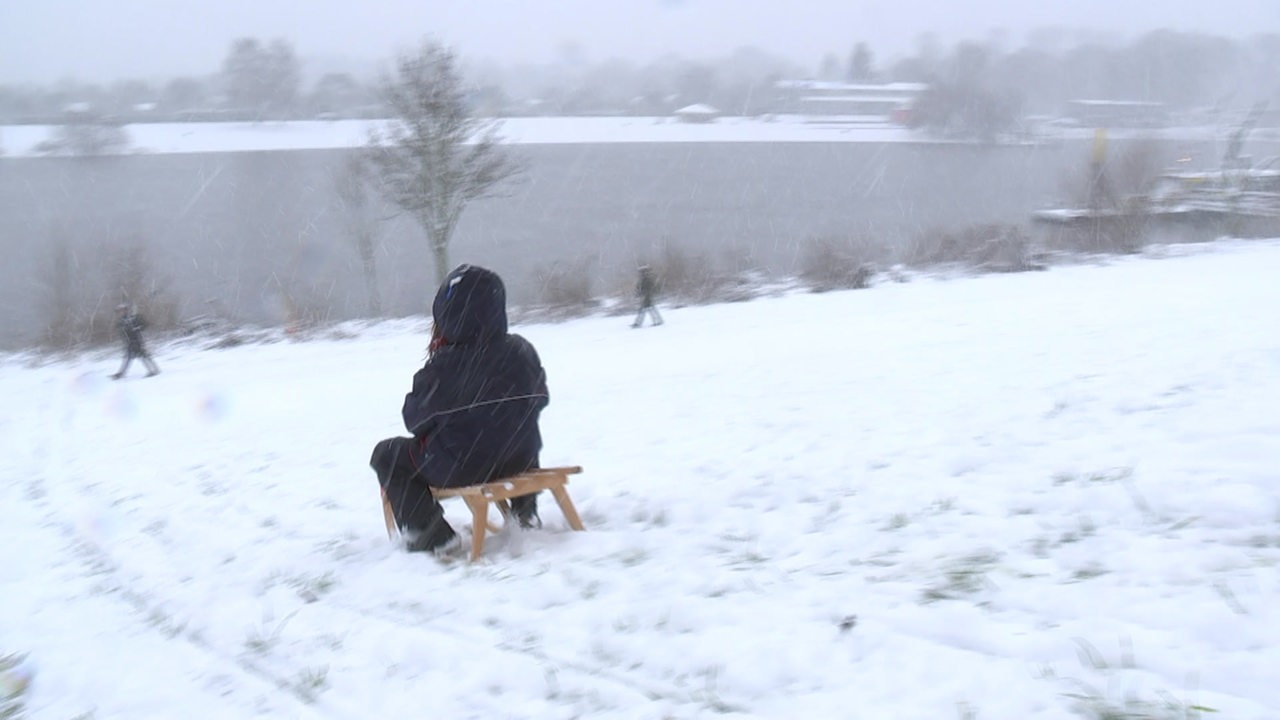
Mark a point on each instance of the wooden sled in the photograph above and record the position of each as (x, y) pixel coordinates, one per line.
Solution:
(498, 492)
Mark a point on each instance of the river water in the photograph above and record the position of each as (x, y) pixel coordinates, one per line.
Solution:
(260, 236)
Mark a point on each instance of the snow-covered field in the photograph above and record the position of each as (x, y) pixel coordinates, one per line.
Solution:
(23, 140)
(201, 137)
(1027, 496)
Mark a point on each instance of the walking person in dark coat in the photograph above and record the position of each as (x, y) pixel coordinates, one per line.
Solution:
(131, 325)
(472, 413)
(646, 288)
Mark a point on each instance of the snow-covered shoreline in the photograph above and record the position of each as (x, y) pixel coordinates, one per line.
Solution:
(203, 137)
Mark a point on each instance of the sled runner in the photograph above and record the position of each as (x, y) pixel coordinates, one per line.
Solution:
(498, 492)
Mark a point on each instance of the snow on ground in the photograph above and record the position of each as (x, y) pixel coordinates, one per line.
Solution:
(22, 140)
(1023, 496)
(196, 137)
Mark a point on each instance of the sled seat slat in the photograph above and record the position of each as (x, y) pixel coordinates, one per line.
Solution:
(479, 497)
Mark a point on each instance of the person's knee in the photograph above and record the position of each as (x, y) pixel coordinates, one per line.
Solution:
(383, 458)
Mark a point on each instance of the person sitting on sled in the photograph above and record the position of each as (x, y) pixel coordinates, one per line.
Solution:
(472, 413)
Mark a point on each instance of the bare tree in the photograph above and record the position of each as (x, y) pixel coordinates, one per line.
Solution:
(861, 64)
(434, 157)
(962, 102)
(337, 93)
(61, 296)
(86, 134)
(262, 79)
(184, 93)
(351, 187)
(81, 287)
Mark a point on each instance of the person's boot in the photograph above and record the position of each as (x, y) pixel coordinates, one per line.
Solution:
(525, 508)
(429, 532)
(439, 539)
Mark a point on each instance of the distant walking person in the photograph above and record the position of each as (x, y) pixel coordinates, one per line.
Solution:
(646, 288)
(131, 326)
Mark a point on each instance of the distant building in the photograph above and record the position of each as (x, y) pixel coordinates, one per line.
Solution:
(1117, 113)
(697, 113)
(848, 102)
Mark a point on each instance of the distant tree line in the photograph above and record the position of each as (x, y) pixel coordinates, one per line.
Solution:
(980, 89)
(975, 86)
(257, 81)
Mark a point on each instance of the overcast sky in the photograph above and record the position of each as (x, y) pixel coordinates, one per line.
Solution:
(96, 40)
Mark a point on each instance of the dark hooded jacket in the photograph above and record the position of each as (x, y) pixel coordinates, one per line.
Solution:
(646, 287)
(474, 406)
(131, 326)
